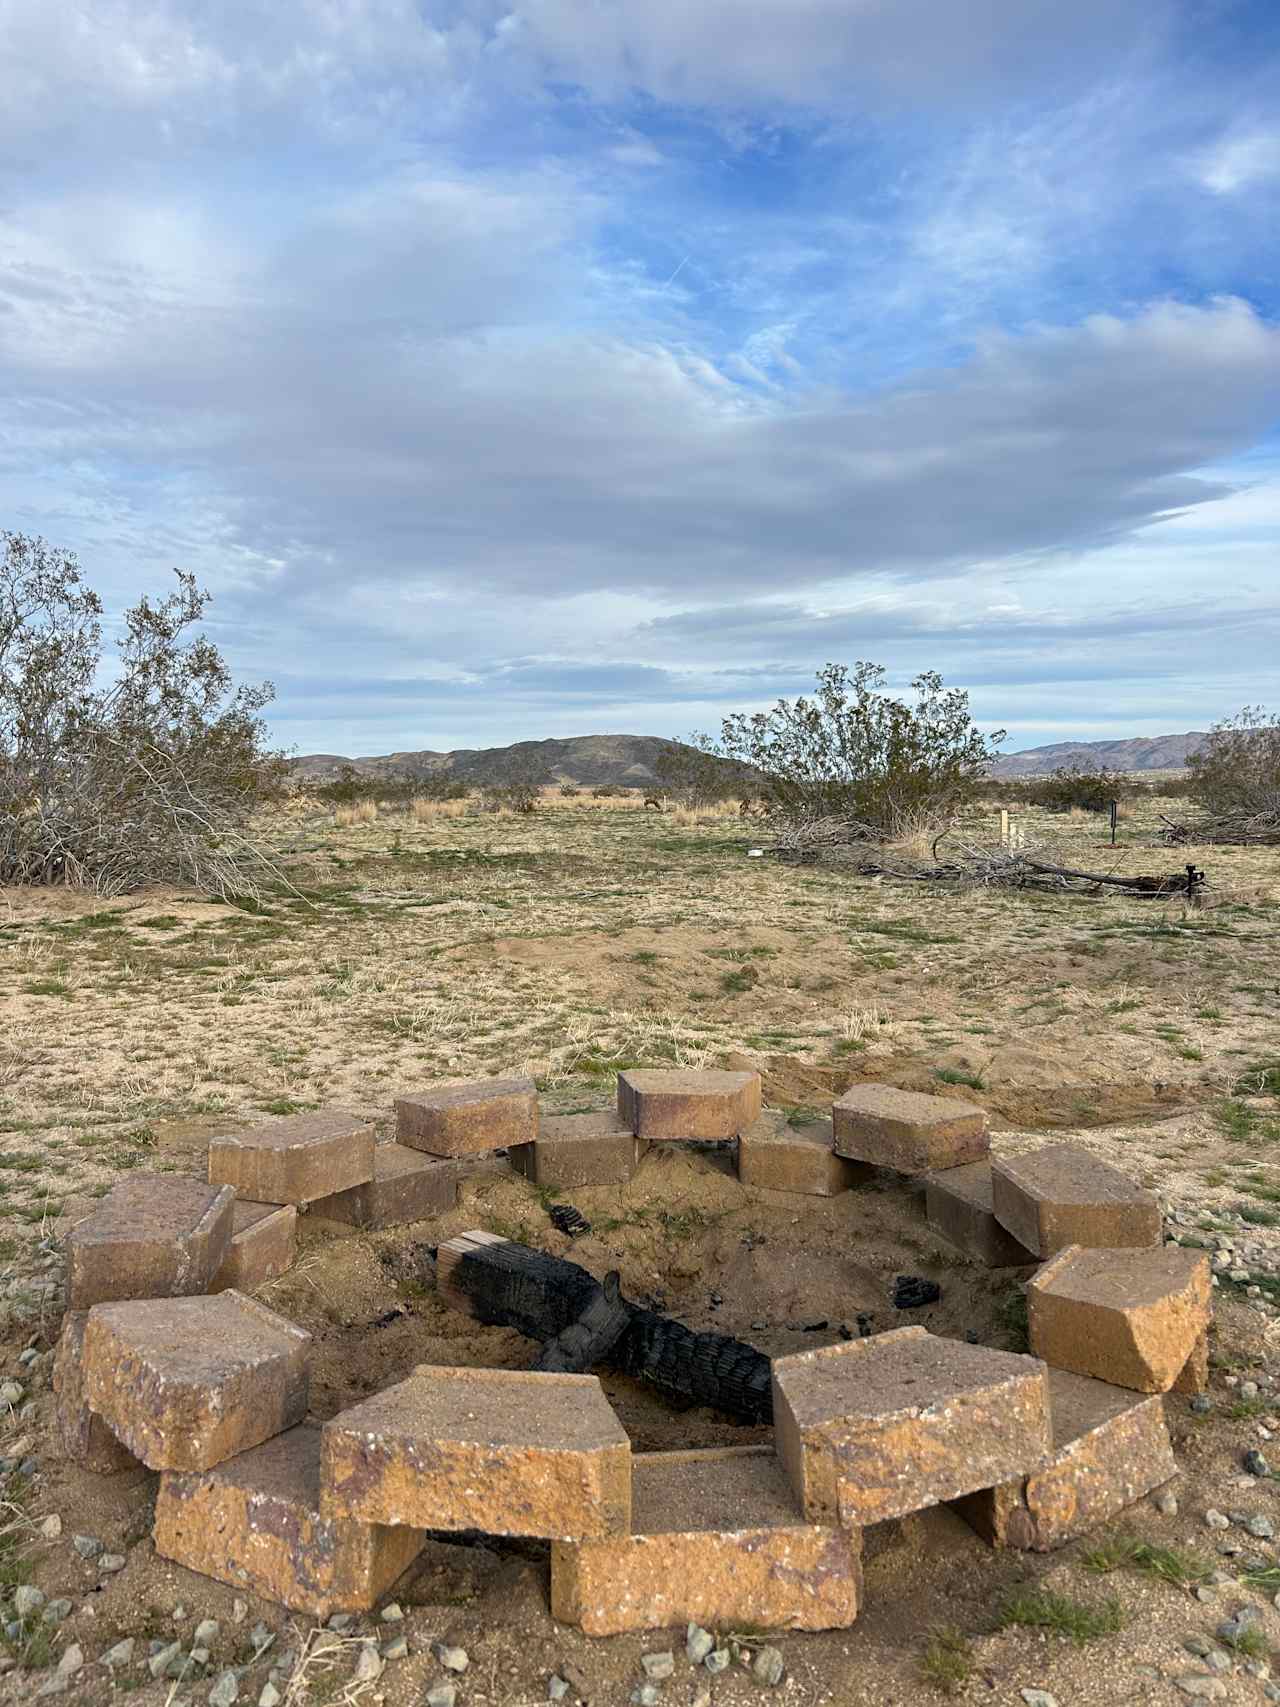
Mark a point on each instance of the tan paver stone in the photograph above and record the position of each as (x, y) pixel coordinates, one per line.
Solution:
(85, 1437)
(1131, 1317)
(188, 1382)
(958, 1206)
(1194, 1375)
(1062, 1195)
(717, 1540)
(676, 1103)
(511, 1452)
(152, 1236)
(297, 1160)
(263, 1245)
(580, 1149)
(879, 1427)
(775, 1156)
(1110, 1448)
(255, 1522)
(907, 1130)
(468, 1118)
(406, 1186)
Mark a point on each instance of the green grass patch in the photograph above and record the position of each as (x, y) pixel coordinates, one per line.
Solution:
(1177, 1565)
(1044, 1609)
(953, 1076)
(947, 1661)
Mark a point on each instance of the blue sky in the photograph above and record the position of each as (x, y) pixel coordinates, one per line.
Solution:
(512, 368)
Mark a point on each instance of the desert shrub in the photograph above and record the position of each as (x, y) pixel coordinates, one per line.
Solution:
(695, 775)
(356, 812)
(569, 791)
(853, 753)
(113, 777)
(1238, 768)
(519, 791)
(1092, 788)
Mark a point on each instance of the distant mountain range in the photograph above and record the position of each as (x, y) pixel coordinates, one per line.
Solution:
(627, 761)
(1145, 753)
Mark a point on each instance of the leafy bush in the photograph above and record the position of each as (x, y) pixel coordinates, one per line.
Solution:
(148, 772)
(851, 752)
(696, 775)
(1090, 787)
(1238, 768)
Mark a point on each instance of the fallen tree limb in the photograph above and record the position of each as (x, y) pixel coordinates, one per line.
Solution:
(505, 1284)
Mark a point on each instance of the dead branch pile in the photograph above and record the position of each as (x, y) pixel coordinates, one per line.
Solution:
(833, 841)
(1228, 829)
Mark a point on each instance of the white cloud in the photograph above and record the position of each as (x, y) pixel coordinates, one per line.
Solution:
(1240, 160)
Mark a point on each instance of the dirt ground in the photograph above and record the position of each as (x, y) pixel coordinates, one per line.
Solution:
(568, 946)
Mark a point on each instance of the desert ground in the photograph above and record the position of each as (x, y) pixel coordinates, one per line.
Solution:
(568, 944)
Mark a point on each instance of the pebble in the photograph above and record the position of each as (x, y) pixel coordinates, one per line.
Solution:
(72, 1660)
(1038, 1698)
(717, 1660)
(557, 1688)
(270, 1697)
(769, 1666)
(392, 1613)
(88, 1546)
(1200, 1646)
(120, 1655)
(369, 1663)
(1248, 1389)
(226, 1691)
(1201, 1404)
(12, 1392)
(262, 1638)
(452, 1658)
(112, 1562)
(1167, 1504)
(160, 1659)
(51, 1528)
(1202, 1593)
(1216, 1519)
(239, 1611)
(55, 1611)
(1255, 1463)
(698, 1643)
(658, 1666)
(1260, 1526)
(340, 1621)
(206, 1632)
(27, 1598)
(396, 1648)
(645, 1695)
(442, 1695)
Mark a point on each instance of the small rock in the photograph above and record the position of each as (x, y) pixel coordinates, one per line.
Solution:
(110, 1562)
(1260, 1526)
(27, 1598)
(262, 1638)
(55, 1611)
(199, 1656)
(88, 1546)
(51, 1528)
(769, 1666)
(340, 1621)
(72, 1660)
(270, 1696)
(1197, 1645)
(226, 1691)
(120, 1655)
(451, 1657)
(396, 1648)
(698, 1643)
(1203, 1686)
(717, 1660)
(1255, 1463)
(1166, 1504)
(1202, 1593)
(12, 1392)
(1248, 1389)
(645, 1695)
(1201, 1404)
(160, 1659)
(392, 1613)
(369, 1663)
(1038, 1698)
(658, 1666)
(239, 1611)
(442, 1695)
(1217, 1661)
(1216, 1519)
(557, 1688)
(206, 1632)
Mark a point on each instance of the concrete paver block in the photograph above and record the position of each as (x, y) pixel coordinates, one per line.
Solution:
(152, 1236)
(297, 1160)
(1063, 1195)
(188, 1382)
(717, 1540)
(879, 1427)
(465, 1119)
(580, 1149)
(263, 1245)
(909, 1131)
(776, 1156)
(406, 1186)
(508, 1451)
(1131, 1317)
(255, 1523)
(958, 1206)
(676, 1102)
(1110, 1448)
(85, 1437)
